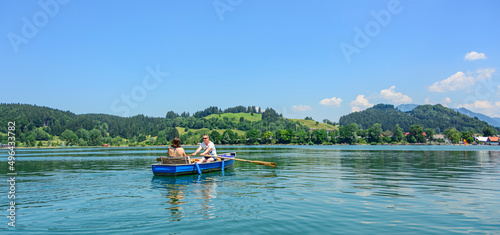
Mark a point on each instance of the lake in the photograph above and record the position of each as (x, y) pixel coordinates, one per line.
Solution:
(314, 190)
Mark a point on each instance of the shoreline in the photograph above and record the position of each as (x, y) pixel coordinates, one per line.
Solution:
(221, 145)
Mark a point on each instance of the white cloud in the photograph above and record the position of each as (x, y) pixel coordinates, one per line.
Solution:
(484, 74)
(478, 104)
(459, 80)
(395, 97)
(446, 101)
(300, 108)
(475, 56)
(484, 107)
(355, 109)
(359, 103)
(333, 102)
(427, 100)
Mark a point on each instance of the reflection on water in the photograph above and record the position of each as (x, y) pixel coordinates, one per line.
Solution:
(175, 195)
(206, 192)
(201, 188)
(174, 192)
(350, 189)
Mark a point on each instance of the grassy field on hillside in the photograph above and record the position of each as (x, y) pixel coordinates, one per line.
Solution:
(206, 131)
(258, 117)
(55, 142)
(237, 116)
(312, 124)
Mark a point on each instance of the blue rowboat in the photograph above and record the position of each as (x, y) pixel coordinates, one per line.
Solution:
(173, 169)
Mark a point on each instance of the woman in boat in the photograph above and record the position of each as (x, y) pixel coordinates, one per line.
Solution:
(177, 150)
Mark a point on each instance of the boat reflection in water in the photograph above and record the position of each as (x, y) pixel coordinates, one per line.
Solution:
(207, 192)
(190, 194)
(174, 189)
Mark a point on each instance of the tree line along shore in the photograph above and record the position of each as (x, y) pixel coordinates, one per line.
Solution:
(382, 124)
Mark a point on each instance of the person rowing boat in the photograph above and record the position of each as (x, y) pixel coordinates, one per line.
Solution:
(208, 148)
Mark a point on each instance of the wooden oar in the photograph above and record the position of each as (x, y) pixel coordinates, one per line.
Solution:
(271, 164)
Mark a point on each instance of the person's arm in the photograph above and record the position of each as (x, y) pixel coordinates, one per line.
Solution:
(198, 150)
(207, 151)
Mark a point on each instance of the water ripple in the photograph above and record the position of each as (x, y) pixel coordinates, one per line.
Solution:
(314, 190)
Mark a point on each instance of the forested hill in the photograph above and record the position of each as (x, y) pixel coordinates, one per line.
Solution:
(42, 123)
(436, 117)
(43, 126)
(30, 117)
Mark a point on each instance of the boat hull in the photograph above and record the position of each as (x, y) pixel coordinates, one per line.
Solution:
(189, 169)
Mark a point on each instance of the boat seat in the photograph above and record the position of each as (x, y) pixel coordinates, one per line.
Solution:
(174, 160)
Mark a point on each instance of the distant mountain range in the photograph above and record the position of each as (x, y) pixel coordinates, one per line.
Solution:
(490, 120)
(406, 107)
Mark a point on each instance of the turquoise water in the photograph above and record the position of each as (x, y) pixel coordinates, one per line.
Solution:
(314, 190)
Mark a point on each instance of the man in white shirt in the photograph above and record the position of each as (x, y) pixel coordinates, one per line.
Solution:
(208, 149)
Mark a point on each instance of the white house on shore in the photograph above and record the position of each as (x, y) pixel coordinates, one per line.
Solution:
(492, 140)
(481, 139)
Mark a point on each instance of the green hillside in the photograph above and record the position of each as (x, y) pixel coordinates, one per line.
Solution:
(312, 124)
(43, 126)
(207, 131)
(235, 117)
(38, 126)
(436, 117)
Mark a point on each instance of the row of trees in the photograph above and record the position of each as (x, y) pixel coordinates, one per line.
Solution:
(347, 134)
(352, 134)
(215, 110)
(37, 125)
(435, 117)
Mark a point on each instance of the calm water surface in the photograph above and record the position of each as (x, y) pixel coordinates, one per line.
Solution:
(314, 190)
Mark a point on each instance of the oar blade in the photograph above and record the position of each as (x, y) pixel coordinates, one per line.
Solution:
(271, 164)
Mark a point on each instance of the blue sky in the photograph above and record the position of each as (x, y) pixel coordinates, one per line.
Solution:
(322, 59)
